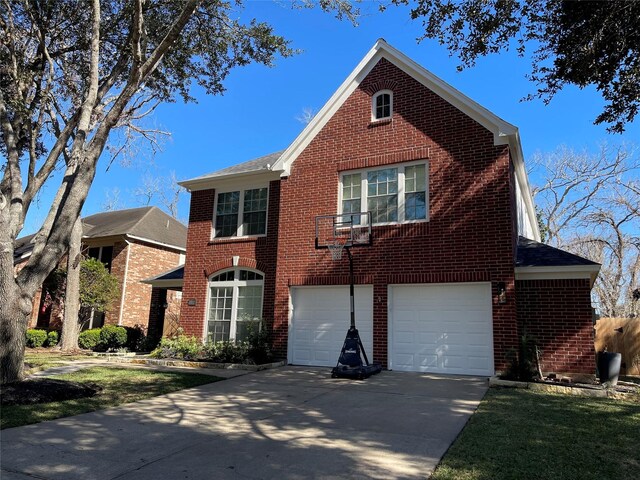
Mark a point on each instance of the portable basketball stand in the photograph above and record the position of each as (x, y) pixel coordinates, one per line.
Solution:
(339, 233)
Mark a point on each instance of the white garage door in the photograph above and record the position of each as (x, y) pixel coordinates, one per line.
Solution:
(319, 322)
(443, 328)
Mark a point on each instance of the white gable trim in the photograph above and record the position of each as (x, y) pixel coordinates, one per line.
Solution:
(503, 132)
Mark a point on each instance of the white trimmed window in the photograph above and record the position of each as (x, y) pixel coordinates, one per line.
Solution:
(235, 304)
(241, 213)
(382, 105)
(393, 194)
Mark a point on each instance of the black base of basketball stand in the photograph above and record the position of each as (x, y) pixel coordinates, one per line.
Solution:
(353, 362)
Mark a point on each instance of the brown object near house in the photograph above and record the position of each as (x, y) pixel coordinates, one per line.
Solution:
(620, 335)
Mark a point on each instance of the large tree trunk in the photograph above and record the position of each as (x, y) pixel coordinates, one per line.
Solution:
(15, 310)
(70, 325)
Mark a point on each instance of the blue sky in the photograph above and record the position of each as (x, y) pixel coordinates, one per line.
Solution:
(258, 113)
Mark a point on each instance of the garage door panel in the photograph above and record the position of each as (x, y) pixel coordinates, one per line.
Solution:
(320, 320)
(442, 328)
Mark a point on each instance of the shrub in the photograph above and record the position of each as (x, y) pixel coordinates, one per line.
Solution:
(135, 338)
(259, 350)
(52, 338)
(183, 347)
(36, 338)
(112, 337)
(89, 339)
(227, 352)
(522, 364)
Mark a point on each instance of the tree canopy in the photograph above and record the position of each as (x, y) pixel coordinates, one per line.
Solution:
(580, 43)
(75, 74)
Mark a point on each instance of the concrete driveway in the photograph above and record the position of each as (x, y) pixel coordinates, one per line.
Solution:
(286, 423)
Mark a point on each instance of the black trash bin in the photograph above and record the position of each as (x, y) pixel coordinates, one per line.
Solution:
(609, 367)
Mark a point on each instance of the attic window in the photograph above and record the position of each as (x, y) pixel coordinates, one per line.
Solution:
(382, 105)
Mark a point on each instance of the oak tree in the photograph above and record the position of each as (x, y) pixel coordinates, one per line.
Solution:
(72, 74)
(581, 43)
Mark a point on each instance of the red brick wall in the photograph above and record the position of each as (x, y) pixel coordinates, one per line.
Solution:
(145, 260)
(468, 238)
(118, 268)
(206, 256)
(557, 314)
(469, 235)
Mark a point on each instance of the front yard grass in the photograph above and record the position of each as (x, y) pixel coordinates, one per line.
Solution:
(119, 386)
(519, 434)
(39, 360)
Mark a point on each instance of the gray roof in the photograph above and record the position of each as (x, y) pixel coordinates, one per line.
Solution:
(173, 274)
(536, 254)
(149, 223)
(255, 165)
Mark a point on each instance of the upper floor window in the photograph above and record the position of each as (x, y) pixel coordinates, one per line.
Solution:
(392, 194)
(241, 213)
(382, 105)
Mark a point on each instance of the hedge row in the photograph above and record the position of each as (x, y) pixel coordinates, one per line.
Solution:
(113, 337)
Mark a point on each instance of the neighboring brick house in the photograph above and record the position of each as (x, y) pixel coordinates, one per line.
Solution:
(134, 244)
(455, 273)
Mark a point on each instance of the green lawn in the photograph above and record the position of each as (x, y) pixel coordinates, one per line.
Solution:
(43, 360)
(120, 385)
(519, 434)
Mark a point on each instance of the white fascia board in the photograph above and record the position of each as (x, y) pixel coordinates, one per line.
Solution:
(558, 272)
(515, 147)
(223, 181)
(501, 129)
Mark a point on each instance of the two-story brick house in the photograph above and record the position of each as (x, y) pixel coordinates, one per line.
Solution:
(455, 273)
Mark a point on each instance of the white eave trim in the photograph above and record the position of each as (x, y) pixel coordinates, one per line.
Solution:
(515, 147)
(558, 272)
(221, 180)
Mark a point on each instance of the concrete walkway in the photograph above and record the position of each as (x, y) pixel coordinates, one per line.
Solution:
(287, 423)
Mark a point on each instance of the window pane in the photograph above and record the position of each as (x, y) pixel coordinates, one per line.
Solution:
(249, 275)
(382, 195)
(254, 218)
(415, 206)
(249, 303)
(245, 328)
(383, 106)
(415, 179)
(218, 331)
(227, 214)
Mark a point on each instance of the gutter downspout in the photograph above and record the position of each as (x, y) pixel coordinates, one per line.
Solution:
(124, 280)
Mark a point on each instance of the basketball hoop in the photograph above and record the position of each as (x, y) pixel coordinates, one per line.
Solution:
(335, 247)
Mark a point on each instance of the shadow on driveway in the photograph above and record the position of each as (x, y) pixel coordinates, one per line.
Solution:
(287, 423)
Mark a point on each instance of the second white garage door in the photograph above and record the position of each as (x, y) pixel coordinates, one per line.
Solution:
(320, 320)
(443, 328)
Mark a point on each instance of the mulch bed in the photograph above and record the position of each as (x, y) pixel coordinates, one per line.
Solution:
(43, 390)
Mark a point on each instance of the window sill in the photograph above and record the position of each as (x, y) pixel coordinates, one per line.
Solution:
(379, 123)
(223, 240)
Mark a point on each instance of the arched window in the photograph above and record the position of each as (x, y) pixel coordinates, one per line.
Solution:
(382, 105)
(235, 304)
